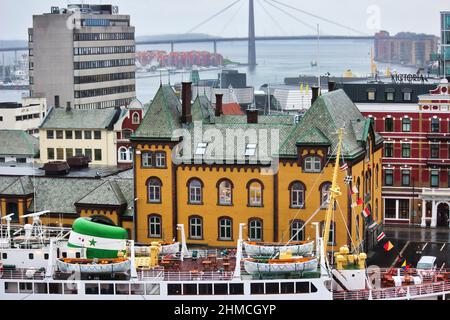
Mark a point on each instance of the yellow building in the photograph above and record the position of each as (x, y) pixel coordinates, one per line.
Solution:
(211, 172)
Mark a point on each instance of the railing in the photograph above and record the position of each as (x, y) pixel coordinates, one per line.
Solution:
(22, 274)
(198, 276)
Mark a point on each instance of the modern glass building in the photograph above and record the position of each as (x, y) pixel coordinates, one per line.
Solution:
(445, 42)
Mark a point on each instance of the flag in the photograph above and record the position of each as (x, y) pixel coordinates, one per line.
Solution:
(373, 225)
(344, 167)
(301, 88)
(354, 205)
(354, 190)
(388, 246)
(405, 266)
(359, 202)
(381, 236)
(348, 179)
(366, 212)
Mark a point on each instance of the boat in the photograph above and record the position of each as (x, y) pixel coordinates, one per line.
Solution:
(269, 249)
(170, 248)
(93, 265)
(258, 266)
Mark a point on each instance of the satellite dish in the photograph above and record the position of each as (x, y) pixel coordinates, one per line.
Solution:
(35, 214)
(9, 215)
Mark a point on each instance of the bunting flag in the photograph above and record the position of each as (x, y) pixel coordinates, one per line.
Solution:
(381, 236)
(405, 266)
(348, 179)
(354, 190)
(354, 205)
(388, 246)
(344, 167)
(359, 202)
(373, 225)
(366, 212)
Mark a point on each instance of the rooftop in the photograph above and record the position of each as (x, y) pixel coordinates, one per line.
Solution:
(60, 118)
(18, 143)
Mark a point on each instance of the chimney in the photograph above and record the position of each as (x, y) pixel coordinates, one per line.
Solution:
(186, 97)
(219, 104)
(331, 85)
(315, 93)
(68, 106)
(252, 115)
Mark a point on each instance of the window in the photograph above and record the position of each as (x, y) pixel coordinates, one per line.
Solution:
(434, 150)
(78, 152)
(160, 159)
(403, 208)
(406, 96)
(390, 96)
(254, 189)
(389, 125)
(50, 153)
(201, 149)
(448, 179)
(389, 150)
(126, 134)
(434, 178)
(406, 150)
(88, 135)
(146, 159)
(78, 135)
(225, 190)
(313, 164)
(225, 228)
(371, 95)
(97, 135)
(50, 134)
(69, 153)
(297, 191)
(136, 119)
(255, 229)
(60, 154)
(195, 228)
(325, 193)
(406, 124)
(21, 160)
(59, 134)
(69, 134)
(406, 175)
(332, 235)
(123, 154)
(88, 153)
(98, 154)
(389, 210)
(154, 190)
(297, 231)
(154, 226)
(389, 177)
(250, 150)
(195, 191)
(434, 125)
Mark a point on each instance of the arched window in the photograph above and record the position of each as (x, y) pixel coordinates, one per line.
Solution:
(154, 226)
(255, 229)
(195, 187)
(195, 227)
(297, 233)
(312, 164)
(324, 193)
(255, 193)
(136, 118)
(123, 154)
(297, 192)
(154, 190)
(225, 229)
(225, 192)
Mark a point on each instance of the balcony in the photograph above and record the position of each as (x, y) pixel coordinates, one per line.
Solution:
(437, 163)
(438, 136)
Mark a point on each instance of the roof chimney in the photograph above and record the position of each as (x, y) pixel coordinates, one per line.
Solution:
(68, 106)
(219, 104)
(186, 97)
(331, 85)
(315, 93)
(252, 115)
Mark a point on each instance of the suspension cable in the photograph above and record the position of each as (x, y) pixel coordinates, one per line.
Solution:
(271, 17)
(291, 15)
(227, 24)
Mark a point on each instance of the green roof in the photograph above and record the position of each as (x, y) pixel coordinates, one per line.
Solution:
(16, 186)
(107, 193)
(59, 118)
(18, 143)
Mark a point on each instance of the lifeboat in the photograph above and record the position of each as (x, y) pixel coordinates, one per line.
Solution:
(300, 248)
(299, 264)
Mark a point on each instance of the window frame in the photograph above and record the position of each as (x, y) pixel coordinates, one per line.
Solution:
(200, 225)
(252, 227)
(312, 160)
(389, 124)
(198, 190)
(218, 187)
(406, 124)
(152, 188)
(250, 196)
(226, 227)
(301, 233)
(159, 225)
(302, 205)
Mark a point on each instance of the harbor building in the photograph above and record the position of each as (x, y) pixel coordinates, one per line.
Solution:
(83, 56)
(445, 43)
(413, 118)
(17, 146)
(25, 116)
(212, 194)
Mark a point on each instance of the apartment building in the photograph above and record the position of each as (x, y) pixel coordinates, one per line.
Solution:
(83, 56)
(445, 42)
(25, 116)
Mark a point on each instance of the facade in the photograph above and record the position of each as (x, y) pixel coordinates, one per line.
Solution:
(17, 146)
(130, 119)
(445, 42)
(212, 193)
(80, 194)
(26, 116)
(414, 121)
(83, 56)
(66, 133)
(405, 48)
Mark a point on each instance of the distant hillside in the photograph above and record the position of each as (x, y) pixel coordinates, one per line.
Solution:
(175, 37)
(13, 43)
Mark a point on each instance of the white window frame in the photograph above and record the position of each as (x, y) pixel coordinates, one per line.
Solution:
(250, 149)
(160, 160)
(195, 192)
(195, 222)
(154, 221)
(297, 193)
(255, 189)
(311, 163)
(201, 149)
(253, 228)
(225, 224)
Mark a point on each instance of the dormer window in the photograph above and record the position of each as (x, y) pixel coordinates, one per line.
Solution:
(135, 118)
(313, 164)
(201, 149)
(250, 150)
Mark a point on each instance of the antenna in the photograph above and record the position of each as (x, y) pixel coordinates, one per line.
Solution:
(318, 55)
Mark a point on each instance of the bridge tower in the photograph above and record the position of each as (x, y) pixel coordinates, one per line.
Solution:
(251, 35)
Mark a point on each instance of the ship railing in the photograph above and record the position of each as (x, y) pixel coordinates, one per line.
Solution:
(402, 292)
(198, 275)
(22, 274)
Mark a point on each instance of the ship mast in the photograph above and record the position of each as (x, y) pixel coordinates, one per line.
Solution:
(334, 193)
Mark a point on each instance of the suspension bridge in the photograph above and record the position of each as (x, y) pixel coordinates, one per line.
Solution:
(294, 13)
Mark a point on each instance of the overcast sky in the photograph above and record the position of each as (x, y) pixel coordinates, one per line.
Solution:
(152, 17)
